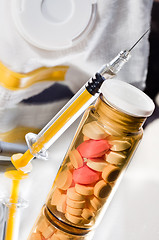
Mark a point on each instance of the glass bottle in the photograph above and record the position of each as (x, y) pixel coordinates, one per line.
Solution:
(100, 152)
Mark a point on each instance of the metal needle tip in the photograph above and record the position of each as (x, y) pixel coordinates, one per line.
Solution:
(139, 40)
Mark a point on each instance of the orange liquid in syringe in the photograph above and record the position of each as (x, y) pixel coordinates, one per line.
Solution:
(15, 176)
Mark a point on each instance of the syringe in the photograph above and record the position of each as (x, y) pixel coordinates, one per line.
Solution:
(38, 144)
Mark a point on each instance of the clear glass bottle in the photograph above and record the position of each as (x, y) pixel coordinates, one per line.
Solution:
(46, 228)
(97, 157)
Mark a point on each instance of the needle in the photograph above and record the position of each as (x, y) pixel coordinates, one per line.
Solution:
(139, 40)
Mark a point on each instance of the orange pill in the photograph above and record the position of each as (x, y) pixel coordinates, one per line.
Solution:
(61, 236)
(74, 211)
(35, 236)
(87, 214)
(75, 204)
(42, 225)
(61, 206)
(84, 190)
(72, 194)
(102, 189)
(54, 237)
(94, 131)
(110, 173)
(73, 219)
(48, 232)
(56, 196)
(76, 159)
(64, 180)
(95, 203)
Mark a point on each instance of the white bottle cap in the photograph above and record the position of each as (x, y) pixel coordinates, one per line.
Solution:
(54, 24)
(127, 98)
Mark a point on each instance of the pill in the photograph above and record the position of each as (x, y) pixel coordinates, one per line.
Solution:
(56, 196)
(84, 190)
(85, 138)
(48, 232)
(110, 130)
(69, 166)
(72, 194)
(76, 159)
(98, 159)
(73, 219)
(87, 214)
(94, 131)
(74, 211)
(93, 148)
(110, 173)
(42, 225)
(96, 203)
(61, 236)
(35, 236)
(64, 180)
(117, 144)
(75, 204)
(102, 189)
(97, 166)
(89, 206)
(85, 175)
(117, 158)
(54, 237)
(61, 206)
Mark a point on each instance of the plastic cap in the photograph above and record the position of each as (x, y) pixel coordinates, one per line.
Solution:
(54, 24)
(127, 98)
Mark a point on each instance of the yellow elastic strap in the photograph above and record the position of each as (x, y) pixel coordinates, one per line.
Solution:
(17, 135)
(16, 81)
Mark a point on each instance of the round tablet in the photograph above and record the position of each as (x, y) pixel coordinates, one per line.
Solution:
(56, 196)
(64, 180)
(54, 237)
(76, 159)
(74, 211)
(87, 214)
(42, 225)
(61, 205)
(61, 236)
(35, 236)
(48, 232)
(84, 190)
(94, 131)
(96, 203)
(73, 219)
(72, 194)
(110, 173)
(75, 204)
(93, 148)
(102, 189)
(85, 175)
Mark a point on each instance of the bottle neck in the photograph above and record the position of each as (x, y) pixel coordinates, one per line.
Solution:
(108, 113)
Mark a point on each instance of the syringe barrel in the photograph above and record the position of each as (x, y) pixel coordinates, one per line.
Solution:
(67, 115)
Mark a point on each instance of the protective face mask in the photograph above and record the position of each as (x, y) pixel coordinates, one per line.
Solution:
(40, 68)
(81, 35)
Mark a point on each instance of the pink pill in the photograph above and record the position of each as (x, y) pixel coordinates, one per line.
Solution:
(85, 175)
(93, 148)
(98, 159)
